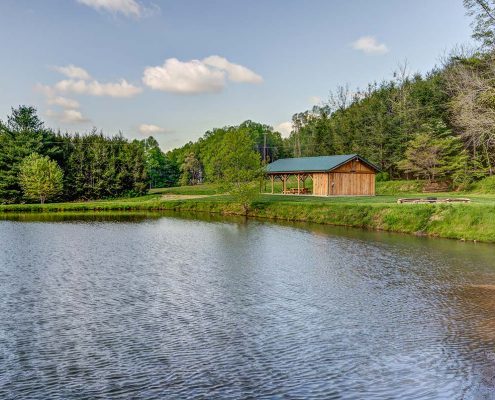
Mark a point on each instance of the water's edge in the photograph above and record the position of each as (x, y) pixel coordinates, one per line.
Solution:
(439, 221)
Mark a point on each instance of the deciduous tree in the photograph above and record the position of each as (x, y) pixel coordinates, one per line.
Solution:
(240, 166)
(40, 177)
(191, 170)
(483, 12)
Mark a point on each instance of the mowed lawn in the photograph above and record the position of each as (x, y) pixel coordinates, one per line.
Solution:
(214, 192)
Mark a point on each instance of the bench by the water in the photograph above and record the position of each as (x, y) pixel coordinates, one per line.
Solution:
(430, 200)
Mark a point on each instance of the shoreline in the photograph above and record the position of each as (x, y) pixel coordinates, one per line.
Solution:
(467, 222)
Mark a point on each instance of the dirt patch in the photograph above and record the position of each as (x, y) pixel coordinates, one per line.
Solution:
(433, 187)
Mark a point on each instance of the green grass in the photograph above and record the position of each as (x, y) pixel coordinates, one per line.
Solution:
(398, 187)
(474, 221)
(206, 189)
(486, 186)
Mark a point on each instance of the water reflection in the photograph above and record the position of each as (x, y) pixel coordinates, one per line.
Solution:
(160, 305)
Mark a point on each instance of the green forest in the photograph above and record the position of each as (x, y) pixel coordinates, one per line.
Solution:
(91, 166)
(438, 127)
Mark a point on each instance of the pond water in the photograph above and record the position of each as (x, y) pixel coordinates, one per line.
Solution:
(150, 306)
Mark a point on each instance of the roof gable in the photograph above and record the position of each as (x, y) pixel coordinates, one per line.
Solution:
(313, 164)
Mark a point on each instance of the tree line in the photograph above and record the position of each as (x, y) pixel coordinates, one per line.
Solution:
(200, 161)
(38, 163)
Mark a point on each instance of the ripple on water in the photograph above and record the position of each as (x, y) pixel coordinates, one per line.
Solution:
(173, 308)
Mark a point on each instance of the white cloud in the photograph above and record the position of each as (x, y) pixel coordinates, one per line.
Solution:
(184, 77)
(46, 90)
(150, 129)
(68, 116)
(197, 76)
(81, 84)
(63, 102)
(54, 100)
(314, 100)
(73, 116)
(129, 8)
(73, 72)
(369, 45)
(236, 72)
(95, 88)
(285, 128)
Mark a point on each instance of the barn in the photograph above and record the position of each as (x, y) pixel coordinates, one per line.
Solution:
(339, 175)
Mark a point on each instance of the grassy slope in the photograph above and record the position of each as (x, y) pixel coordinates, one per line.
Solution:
(475, 221)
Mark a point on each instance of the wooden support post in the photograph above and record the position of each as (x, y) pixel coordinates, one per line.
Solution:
(284, 184)
(298, 184)
(273, 178)
(328, 184)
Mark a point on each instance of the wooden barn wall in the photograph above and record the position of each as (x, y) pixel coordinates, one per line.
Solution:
(320, 184)
(343, 182)
(355, 166)
(350, 184)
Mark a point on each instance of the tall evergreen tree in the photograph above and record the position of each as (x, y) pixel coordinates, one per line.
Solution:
(23, 134)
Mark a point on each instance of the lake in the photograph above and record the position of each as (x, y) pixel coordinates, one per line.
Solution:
(153, 306)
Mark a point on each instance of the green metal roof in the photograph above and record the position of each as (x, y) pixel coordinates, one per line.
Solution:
(313, 164)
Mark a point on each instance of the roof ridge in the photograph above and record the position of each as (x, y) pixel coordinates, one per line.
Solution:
(314, 163)
(333, 155)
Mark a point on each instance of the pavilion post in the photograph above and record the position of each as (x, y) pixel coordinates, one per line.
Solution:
(298, 184)
(272, 179)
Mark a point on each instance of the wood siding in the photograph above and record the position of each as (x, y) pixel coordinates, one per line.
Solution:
(355, 166)
(343, 182)
(320, 184)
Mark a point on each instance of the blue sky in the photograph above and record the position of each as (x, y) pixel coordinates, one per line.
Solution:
(177, 68)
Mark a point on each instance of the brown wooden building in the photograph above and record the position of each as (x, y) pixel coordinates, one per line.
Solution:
(341, 175)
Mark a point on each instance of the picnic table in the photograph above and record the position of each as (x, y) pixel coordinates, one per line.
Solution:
(297, 191)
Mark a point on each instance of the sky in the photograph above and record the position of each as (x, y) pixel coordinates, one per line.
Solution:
(174, 69)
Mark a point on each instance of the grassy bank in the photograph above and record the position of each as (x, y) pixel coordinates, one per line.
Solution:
(474, 221)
